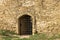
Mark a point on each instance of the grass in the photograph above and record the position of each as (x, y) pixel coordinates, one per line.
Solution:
(7, 35)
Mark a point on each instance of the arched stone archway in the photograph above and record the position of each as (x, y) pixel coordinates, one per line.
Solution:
(25, 25)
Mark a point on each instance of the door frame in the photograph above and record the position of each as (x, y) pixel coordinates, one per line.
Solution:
(33, 21)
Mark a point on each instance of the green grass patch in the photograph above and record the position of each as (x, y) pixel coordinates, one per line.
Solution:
(42, 36)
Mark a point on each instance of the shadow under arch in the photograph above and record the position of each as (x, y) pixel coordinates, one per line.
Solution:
(25, 25)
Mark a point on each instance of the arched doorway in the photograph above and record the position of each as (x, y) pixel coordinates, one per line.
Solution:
(25, 25)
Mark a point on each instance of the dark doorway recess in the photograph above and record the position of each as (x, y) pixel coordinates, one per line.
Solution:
(25, 25)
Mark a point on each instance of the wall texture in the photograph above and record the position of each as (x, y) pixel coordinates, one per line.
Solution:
(45, 14)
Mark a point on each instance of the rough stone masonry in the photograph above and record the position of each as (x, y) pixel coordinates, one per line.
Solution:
(45, 14)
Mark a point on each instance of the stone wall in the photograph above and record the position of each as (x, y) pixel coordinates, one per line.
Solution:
(49, 19)
(46, 13)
